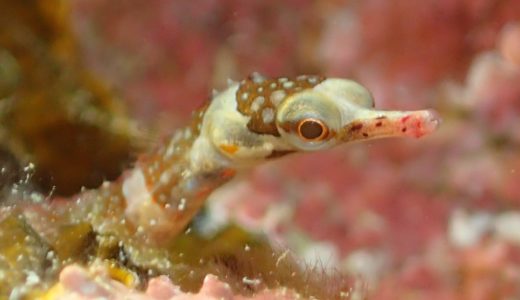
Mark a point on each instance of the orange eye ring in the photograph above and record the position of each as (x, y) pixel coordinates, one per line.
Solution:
(312, 130)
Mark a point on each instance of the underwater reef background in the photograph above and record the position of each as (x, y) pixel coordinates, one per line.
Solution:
(437, 218)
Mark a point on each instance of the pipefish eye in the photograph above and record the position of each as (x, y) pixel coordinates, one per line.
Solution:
(312, 130)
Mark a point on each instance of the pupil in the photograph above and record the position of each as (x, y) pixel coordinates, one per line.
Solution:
(311, 130)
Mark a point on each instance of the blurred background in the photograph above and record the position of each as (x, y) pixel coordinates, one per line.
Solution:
(436, 218)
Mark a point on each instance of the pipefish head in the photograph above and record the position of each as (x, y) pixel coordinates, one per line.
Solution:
(271, 117)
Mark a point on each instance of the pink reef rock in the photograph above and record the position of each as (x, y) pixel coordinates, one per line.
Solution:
(509, 43)
(78, 283)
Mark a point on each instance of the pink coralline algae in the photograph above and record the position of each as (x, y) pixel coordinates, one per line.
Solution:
(509, 43)
(77, 283)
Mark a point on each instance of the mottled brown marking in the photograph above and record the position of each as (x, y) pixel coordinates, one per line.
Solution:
(289, 126)
(356, 127)
(256, 86)
(352, 132)
(379, 124)
(156, 163)
(279, 153)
